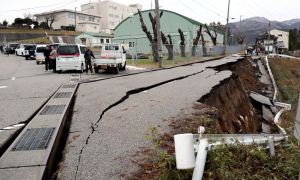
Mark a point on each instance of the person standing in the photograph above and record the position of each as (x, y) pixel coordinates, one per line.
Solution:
(53, 58)
(88, 60)
(47, 58)
(1, 48)
(7, 50)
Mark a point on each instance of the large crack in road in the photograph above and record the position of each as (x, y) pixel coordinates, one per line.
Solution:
(94, 127)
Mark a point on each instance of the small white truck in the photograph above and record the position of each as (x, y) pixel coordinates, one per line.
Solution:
(113, 57)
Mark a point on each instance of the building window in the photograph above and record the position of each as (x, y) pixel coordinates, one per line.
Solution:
(131, 44)
(95, 27)
(279, 35)
(102, 41)
(111, 15)
(98, 21)
(107, 40)
(92, 7)
(122, 10)
(111, 23)
(71, 25)
(92, 19)
(115, 8)
(127, 11)
(82, 18)
(71, 16)
(116, 16)
(111, 7)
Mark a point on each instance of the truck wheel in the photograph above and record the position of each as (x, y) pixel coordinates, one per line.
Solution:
(124, 67)
(37, 63)
(26, 58)
(96, 69)
(16, 54)
(117, 70)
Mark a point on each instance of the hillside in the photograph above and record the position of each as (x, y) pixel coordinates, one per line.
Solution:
(257, 25)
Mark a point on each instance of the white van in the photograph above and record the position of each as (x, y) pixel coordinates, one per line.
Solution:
(70, 57)
(39, 54)
(20, 50)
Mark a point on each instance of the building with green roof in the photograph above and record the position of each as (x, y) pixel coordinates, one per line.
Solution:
(93, 39)
(170, 23)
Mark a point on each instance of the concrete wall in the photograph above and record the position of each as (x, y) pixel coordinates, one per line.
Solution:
(10, 37)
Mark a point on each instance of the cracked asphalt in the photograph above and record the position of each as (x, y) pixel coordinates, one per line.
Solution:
(104, 150)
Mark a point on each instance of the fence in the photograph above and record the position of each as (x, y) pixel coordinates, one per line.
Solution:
(144, 53)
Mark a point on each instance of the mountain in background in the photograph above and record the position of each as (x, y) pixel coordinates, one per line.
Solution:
(256, 26)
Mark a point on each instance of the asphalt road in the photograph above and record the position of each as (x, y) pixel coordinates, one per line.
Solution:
(25, 86)
(120, 126)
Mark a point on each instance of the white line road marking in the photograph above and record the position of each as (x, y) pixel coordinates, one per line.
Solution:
(1, 87)
(13, 78)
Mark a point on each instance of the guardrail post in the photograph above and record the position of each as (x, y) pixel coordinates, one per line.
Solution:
(271, 145)
(200, 160)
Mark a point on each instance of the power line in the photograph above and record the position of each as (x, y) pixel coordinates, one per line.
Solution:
(215, 7)
(193, 10)
(209, 9)
(32, 8)
(273, 9)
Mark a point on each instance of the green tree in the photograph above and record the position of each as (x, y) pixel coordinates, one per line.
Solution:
(294, 39)
(5, 22)
(43, 25)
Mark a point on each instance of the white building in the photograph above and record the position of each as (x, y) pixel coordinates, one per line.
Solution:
(85, 22)
(112, 13)
(283, 37)
(94, 39)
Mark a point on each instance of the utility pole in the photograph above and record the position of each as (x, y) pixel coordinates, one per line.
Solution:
(269, 38)
(226, 34)
(75, 18)
(159, 42)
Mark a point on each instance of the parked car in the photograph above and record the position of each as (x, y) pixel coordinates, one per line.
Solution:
(39, 55)
(142, 56)
(30, 52)
(70, 57)
(12, 47)
(20, 50)
(113, 56)
(128, 56)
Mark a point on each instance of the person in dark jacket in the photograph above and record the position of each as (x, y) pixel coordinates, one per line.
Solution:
(47, 52)
(88, 60)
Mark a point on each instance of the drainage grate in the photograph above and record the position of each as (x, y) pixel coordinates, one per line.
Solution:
(63, 95)
(74, 79)
(53, 109)
(75, 75)
(69, 86)
(34, 139)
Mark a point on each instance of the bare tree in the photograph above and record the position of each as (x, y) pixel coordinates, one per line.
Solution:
(213, 38)
(182, 43)
(50, 18)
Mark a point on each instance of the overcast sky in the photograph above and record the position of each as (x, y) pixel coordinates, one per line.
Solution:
(204, 11)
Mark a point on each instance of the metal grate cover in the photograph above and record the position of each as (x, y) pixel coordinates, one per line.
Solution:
(69, 86)
(75, 75)
(63, 95)
(74, 79)
(34, 139)
(53, 109)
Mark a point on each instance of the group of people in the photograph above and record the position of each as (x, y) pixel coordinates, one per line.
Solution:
(50, 59)
(251, 51)
(4, 49)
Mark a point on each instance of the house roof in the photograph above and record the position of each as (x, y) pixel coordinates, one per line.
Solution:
(96, 34)
(266, 36)
(67, 10)
(187, 18)
(280, 44)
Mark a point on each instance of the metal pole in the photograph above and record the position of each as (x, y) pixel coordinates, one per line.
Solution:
(226, 34)
(132, 40)
(136, 63)
(75, 18)
(200, 159)
(271, 146)
(269, 38)
(159, 42)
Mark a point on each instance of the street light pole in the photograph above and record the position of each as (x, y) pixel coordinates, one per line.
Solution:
(159, 42)
(226, 34)
(75, 18)
(131, 16)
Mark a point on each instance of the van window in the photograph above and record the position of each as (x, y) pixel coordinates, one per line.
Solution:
(40, 49)
(111, 48)
(30, 47)
(82, 50)
(68, 50)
